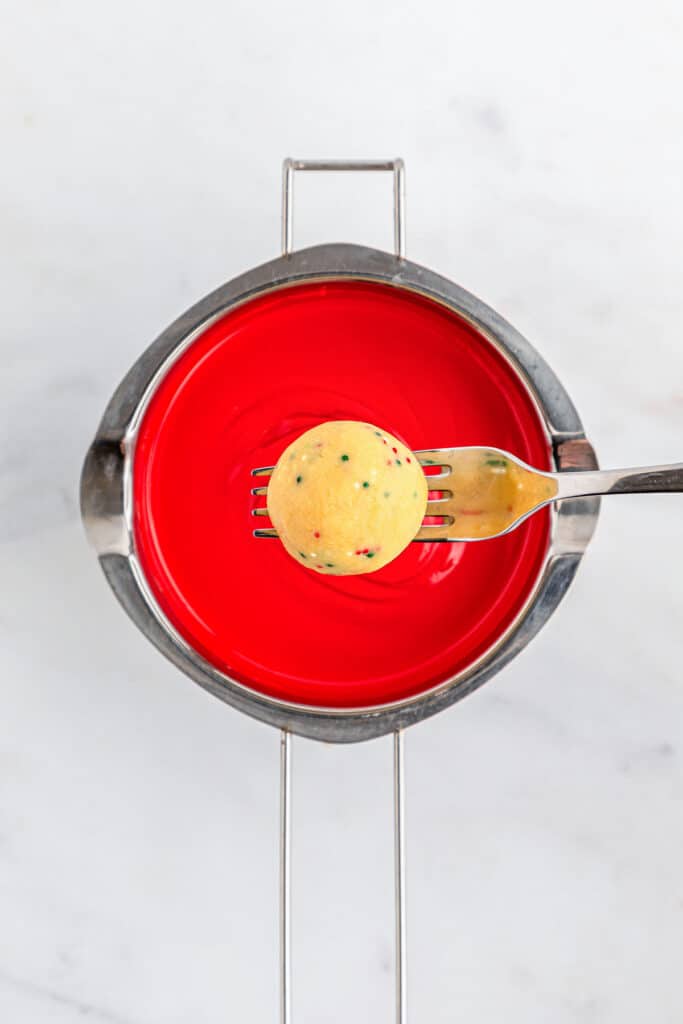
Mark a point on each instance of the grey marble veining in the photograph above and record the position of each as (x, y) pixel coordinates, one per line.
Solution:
(138, 816)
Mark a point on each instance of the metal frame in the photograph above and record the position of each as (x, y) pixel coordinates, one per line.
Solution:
(400, 913)
(400, 920)
(285, 888)
(397, 168)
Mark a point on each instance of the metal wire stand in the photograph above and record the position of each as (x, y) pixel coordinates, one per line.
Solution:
(396, 167)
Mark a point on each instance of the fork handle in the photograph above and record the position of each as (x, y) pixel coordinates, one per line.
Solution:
(643, 480)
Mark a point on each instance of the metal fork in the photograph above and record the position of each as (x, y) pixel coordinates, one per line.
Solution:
(444, 521)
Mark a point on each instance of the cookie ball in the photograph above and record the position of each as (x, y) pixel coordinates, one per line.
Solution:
(346, 498)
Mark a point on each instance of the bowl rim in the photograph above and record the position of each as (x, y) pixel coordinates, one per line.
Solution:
(107, 477)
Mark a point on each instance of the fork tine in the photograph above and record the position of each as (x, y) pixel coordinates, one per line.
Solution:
(259, 511)
(265, 533)
(422, 538)
(438, 507)
(258, 491)
(434, 457)
(263, 471)
(435, 531)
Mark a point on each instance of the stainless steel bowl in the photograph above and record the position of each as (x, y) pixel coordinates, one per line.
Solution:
(106, 486)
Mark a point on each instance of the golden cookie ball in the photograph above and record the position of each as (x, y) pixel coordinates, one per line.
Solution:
(346, 498)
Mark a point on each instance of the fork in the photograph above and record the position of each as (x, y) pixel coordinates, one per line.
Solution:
(448, 469)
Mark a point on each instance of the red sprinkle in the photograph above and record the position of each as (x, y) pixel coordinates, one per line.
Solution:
(389, 462)
(395, 451)
(316, 534)
(319, 567)
(407, 460)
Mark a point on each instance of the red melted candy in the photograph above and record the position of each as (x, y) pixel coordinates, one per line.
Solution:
(250, 384)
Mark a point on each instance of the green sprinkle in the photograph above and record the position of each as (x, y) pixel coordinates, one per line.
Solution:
(387, 494)
(496, 462)
(428, 462)
(329, 565)
(370, 554)
(345, 458)
(398, 462)
(299, 479)
(377, 433)
(301, 554)
(366, 483)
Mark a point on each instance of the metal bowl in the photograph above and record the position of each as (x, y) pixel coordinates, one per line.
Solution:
(106, 487)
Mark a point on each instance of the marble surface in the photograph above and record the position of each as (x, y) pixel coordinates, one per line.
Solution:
(138, 816)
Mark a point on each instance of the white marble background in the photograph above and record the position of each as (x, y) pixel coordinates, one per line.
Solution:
(141, 158)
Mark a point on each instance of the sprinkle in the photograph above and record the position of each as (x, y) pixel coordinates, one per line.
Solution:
(395, 451)
(387, 494)
(408, 461)
(384, 441)
(329, 565)
(345, 458)
(377, 433)
(366, 483)
(320, 566)
(398, 462)
(496, 462)
(370, 554)
(299, 479)
(316, 535)
(389, 462)
(301, 554)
